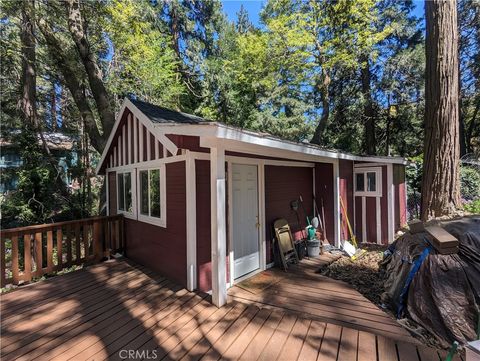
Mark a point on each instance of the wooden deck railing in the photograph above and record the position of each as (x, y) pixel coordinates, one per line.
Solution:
(33, 251)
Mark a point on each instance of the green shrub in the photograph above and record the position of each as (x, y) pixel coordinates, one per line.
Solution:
(469, 183)
(472, 206)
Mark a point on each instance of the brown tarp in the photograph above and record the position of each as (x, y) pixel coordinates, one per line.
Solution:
(444, 294)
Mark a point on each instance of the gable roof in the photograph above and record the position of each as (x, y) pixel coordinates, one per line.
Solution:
(159, 114)
(161, 121)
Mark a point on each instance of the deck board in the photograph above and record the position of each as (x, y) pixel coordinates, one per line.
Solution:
(303, 290)
(94, 313)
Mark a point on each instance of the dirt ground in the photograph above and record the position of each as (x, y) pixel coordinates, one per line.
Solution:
(363, 273)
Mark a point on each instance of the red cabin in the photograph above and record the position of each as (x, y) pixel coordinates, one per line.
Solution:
(199, 197)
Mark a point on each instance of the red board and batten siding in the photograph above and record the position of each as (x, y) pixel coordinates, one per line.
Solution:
(204, 242)
(163, 249)
(282, 186)
(400, 196)
(144, 139)
(346, 192)
(324, 194)
(399, 207)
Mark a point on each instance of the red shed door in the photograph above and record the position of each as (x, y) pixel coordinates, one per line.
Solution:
(246, 249)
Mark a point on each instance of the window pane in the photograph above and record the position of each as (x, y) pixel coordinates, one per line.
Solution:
(360, 182)
(128, 192)
(371, 182)
(120, 192)
(155, 193)
(144, 192)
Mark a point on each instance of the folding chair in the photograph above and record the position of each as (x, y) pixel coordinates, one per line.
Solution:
(286, 246)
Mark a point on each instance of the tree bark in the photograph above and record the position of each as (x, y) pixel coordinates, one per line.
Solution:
(75, 87)
(53, 107)
(325, 97)
(440, 183)
(94, 74)
(28, 81)
(368, 111)
(471, 127)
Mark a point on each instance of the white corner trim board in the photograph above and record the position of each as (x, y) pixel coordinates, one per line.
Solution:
(218, 225)
(191, 211)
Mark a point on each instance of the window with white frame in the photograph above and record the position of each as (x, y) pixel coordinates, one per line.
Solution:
(124, 192)
(368, 182)
(152, 195)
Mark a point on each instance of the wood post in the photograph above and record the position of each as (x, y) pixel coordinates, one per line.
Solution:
(15, 266)
(38, 254)
(27, 273)
(2, 263)
(59, 249)
(49, 251)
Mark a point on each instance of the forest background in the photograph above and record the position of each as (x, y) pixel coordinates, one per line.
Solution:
(347, 75)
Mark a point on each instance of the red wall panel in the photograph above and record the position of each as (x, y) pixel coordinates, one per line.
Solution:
(163, 249)
(324, 192)
(384, 206)
(282, 186)
(346, 192)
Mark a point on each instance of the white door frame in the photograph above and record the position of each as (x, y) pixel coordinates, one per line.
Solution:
(261, 214)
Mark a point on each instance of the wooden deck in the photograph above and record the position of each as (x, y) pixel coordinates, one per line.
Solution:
(94, 314)
(309, 294)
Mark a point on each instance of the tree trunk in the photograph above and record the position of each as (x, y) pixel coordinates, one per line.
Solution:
(94, 74)
(27, 103)
(368, 111)
(471, 127)
(440, 183)
(53, 107)
(28, 82)
(325, 97)
(73, 84)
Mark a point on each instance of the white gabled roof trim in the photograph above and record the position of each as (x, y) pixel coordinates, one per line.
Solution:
(208, 130)
(144, 120)
(222, 131)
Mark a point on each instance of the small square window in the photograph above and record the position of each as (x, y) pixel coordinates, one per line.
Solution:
(124, 192)
(150, 193)
(371, 182)
(368, 182)
(360, 182)
(144, 192)
(121, 192)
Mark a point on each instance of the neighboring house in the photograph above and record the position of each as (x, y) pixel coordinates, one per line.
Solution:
(200, 197)
(60, 145)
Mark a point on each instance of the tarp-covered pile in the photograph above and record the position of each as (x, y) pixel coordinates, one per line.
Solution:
(441, 293)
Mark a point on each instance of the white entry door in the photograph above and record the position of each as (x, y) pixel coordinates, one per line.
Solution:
(245, 236)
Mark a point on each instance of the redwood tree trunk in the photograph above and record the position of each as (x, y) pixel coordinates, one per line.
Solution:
(325, 96)
(440, 183)
(27, 103)
(368, 111)
(94, 74)
(75, 87)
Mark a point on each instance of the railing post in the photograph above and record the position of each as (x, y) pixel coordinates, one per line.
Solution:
(59, 249)
(2, 265)
(38, 254)
(14, 259)
(97, 244)
(27, 238)
(49, 250)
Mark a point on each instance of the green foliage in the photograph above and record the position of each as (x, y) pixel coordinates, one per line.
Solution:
(143, 62)
(472, 206)
(469, 183)
(39, 188)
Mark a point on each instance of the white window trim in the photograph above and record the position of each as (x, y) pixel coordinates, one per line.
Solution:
(378, 182)
(133, 178)
(162, 221)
